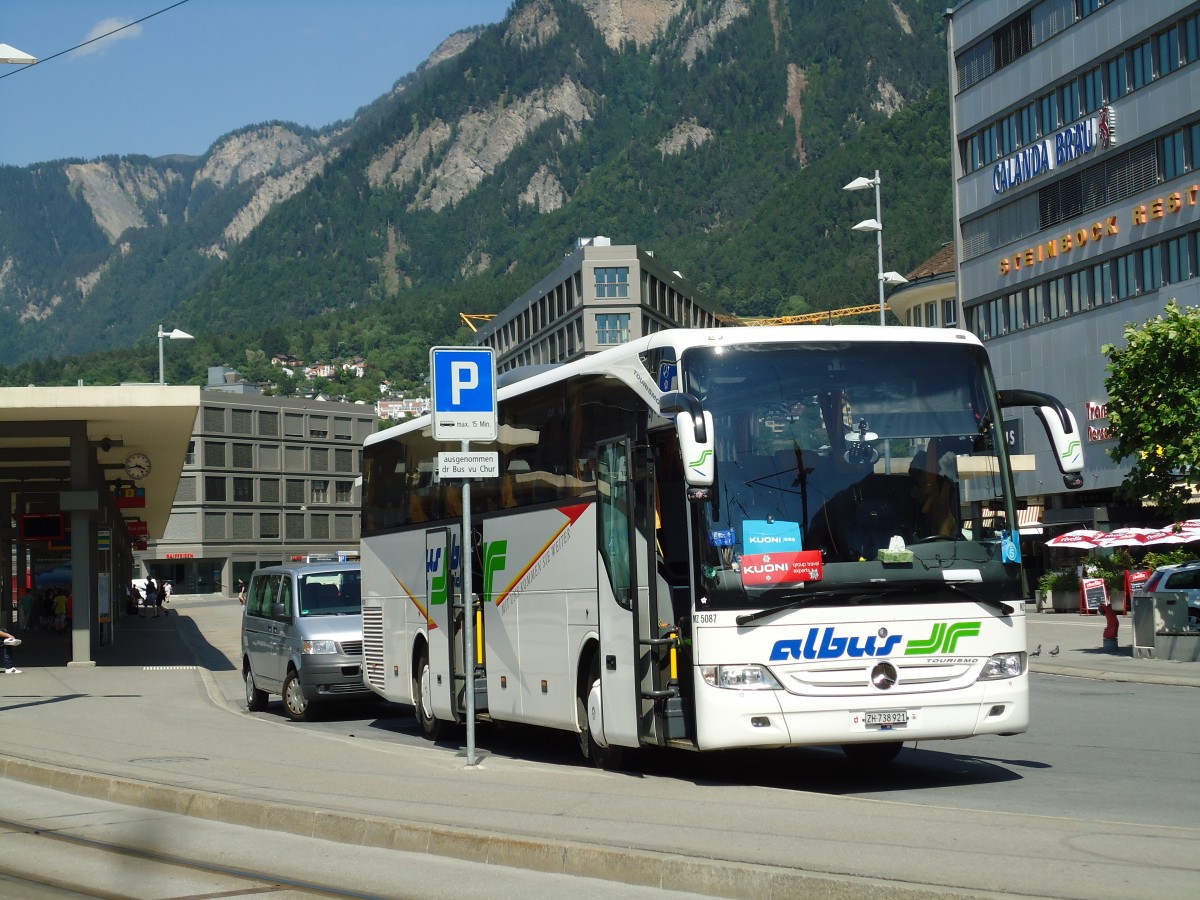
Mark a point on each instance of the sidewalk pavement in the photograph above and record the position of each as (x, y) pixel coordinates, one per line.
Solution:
(159, 722)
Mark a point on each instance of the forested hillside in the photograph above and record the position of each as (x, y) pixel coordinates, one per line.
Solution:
(718, 134)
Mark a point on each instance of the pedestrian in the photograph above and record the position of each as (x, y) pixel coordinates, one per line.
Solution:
(25, 610)
(60, 612)
(241, 592)
(164, 591)
(152, 596)
(9, 641)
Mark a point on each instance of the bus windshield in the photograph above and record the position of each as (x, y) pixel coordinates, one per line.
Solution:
(853, 473)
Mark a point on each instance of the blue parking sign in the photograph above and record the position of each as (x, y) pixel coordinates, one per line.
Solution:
(463, 393)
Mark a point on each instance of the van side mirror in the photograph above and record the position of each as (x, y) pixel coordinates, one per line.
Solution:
(279, 611)
(694, 429)
(1061, 428)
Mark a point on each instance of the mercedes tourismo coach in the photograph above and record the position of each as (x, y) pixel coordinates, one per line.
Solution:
(738, 537)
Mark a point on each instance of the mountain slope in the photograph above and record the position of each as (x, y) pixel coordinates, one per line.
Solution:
(716, 133)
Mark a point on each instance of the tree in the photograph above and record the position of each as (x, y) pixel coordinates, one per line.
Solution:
(1154, 406)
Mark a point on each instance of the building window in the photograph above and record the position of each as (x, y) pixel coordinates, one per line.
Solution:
(214, 526)
(268, 490)
(268, 424)
(949, 313)
(320, 491)
(243, 490)
(612, 281)
(293, 425)
(1141, 64)
(294, 489)
(1178, 264)
(1126, 285)
(243, 456)
(612, 328)
(1167, 51)
(268, 526)
(1102, 290)
(1093, 90)
(242, 421)
(343, 460)
(343, 491)
(1116, 78)
(214, 454)
(1069, 101)
(293, 524)
(214, 488)
(243, 526)
(1150, 269)
(1174, 162)
(318, 459)
(189, 458)
(319, 527)
(214, 419)
(342, 429)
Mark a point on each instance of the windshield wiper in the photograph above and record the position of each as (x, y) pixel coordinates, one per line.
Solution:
(998, 605)
(800, 600)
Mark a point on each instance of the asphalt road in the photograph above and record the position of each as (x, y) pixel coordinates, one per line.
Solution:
(1099, 751)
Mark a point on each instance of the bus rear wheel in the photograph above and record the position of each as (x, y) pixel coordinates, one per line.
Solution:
(873, 753)
(589, 696)
(432, 727)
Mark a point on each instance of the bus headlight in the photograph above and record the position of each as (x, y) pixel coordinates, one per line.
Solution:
(740, 678)
(1003, 665)
(315, 647)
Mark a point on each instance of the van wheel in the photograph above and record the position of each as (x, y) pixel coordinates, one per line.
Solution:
(295, 704)
(873, 753)
(256, 700)
(431, 726)
(589, 694)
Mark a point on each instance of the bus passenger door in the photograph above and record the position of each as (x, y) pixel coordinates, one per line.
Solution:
(441, 546)
(617, 588)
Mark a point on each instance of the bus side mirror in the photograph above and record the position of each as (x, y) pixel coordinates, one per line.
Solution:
(694, 428)
(1061, 429)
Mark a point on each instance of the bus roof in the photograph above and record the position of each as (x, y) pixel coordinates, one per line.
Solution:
(623, 360)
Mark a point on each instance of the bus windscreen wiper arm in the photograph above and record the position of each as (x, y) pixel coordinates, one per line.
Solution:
(998, 605)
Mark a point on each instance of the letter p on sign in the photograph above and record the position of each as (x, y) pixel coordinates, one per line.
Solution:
(463, 376)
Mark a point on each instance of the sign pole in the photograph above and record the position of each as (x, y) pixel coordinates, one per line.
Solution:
(468, 613)
(463, 394)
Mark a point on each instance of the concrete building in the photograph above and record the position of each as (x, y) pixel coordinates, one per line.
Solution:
(265, 479)
(1077, 144)
(599, 296)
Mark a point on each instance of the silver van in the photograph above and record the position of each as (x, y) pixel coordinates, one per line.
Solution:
(302, 636)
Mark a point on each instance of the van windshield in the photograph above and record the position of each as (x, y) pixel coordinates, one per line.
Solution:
(331, 594)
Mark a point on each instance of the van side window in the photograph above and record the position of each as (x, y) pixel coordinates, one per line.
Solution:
(285, 595)
(262, 595)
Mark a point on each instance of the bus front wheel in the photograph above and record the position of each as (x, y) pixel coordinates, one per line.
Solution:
(431, 726)
(590, 697)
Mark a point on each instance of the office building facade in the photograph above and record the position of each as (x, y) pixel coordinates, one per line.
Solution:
(601, 295)
(1077, 179)
(266, 479)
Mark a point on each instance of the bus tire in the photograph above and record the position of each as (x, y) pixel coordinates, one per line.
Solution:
(602, 757)
(873, 753)
(432, 727)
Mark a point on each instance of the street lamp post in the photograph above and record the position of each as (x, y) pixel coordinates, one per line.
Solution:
(876, 225)
(175, 335)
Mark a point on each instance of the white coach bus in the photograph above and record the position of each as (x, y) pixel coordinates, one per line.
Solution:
(738, 537)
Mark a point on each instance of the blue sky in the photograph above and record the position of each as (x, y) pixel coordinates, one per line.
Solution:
(181, 79)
